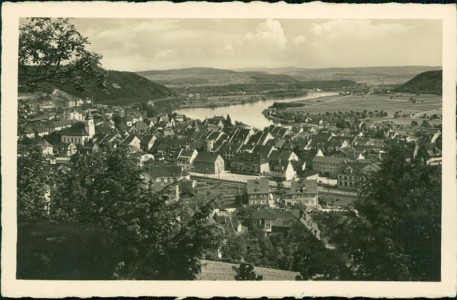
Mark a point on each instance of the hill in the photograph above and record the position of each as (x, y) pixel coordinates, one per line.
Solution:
(186, 71)
(216, 270)
(212, 77)
(122, 88)
(425, 83)
(369, 75)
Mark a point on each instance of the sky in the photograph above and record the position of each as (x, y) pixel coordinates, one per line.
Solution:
(157, 44)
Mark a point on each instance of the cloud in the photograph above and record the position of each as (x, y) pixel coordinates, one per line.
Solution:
(141, 44)
(299, 40)
(269, 35)
(359, 29)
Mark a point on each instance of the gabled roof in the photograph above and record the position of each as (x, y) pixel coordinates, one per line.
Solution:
(251, 158)
(206, 157)
(279, 165)
(258, 186)
(304, 186)
(147, 139)
(129, 139)
(77, 129)
(328, 159)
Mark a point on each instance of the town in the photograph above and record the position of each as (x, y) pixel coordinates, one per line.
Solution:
(287, 174)
(304, 174)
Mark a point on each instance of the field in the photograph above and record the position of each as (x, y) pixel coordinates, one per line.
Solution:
(215, 270)
(429, 104)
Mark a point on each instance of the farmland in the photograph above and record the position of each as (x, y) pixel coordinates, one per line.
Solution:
(399, 102)
(406, 106)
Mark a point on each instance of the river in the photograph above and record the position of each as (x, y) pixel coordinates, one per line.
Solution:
(248, 113)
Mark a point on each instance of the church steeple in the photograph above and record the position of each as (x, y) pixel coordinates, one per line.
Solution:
(90, 125)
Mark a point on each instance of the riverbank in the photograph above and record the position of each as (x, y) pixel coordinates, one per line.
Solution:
(269, 111)
(247, 113)
(226, 101)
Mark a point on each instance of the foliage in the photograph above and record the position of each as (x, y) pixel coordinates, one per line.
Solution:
(107, 190)
(396, 232)
(53, 51)
(297, 250)
(246, 272)
(33, 183)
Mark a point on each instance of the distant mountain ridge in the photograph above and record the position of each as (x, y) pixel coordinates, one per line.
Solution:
(370, 75)
(383, 69)
(427, 82)
(191, 71)
(392, 75)
(212, 77)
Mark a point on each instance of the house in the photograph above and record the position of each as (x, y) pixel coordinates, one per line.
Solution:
(303, 192)
(41, 131)
(129, 121)
(145, 158)
(282, 169)
(327, 165)
(351, 175)
(250, 163)
(46, 147)
(186, 158)
(59, 125)
(260, 138)
(132, 142)
(29, 132)
(74, 115)
(285, 155)
(217, 122)
(88, 148)
(147, 142)
(140, 127)
(168, 174)
(258, 192)
(241, 135)
(229, 151)
(209, 163)
(66, 149)
(273, 220)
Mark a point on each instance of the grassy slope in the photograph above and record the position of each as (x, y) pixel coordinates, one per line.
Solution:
(215, 270)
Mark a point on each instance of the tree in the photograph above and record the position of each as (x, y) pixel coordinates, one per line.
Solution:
(396, 232)
(34, 184)
(108, 190)
(53, 51)
(246, 272)
(414, 123)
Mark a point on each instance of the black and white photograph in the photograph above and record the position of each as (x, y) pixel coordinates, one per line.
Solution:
(286, 148)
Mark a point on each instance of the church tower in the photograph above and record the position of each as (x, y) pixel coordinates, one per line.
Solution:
(90, 125)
